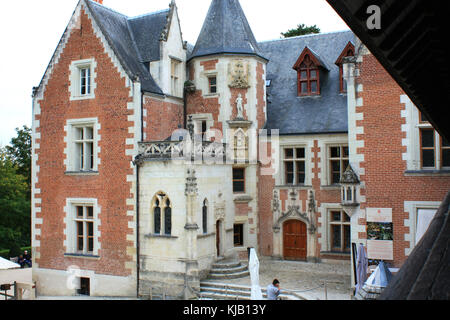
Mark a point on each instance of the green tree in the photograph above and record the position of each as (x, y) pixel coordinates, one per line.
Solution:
(15, 207)
(19, 151)
(301, 30)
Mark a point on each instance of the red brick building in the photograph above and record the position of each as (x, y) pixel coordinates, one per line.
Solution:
(125, 104)
(401, 161)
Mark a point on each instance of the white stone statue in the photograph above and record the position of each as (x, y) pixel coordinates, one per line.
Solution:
(240, 108)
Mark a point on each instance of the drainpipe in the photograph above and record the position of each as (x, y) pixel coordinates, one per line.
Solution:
(137, 231)
(137, 164)
(184, 108)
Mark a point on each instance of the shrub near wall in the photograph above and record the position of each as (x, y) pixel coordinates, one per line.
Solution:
(4, 254)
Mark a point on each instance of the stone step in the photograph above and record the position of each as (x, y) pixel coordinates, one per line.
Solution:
(230, 291)
(235, 275)
(225, 291)
(219, 296)
(224, 265)
(228, 270)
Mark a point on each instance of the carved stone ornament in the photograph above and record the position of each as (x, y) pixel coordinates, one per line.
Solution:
(312, 208)
(294, 212)
(238, 74)
(349, 176)
(219, 207)
(191, 183)
(276, 205)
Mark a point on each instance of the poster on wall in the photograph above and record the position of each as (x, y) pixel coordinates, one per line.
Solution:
(380, 234)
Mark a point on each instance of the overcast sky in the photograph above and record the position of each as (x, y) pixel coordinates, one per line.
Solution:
(31, 30)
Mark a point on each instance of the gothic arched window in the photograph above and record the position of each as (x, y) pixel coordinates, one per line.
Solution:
(205, 216)
(168, 219)
(162, 205)
(157, 217)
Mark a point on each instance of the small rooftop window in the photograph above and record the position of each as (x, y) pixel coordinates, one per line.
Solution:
(307, 67)
(349, 51)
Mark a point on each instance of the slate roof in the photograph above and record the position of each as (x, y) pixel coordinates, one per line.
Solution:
(291, 114)
(225, 30)
(148, 42)
(130, 38)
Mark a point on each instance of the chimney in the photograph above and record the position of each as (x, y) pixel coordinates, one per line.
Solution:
(98, 1)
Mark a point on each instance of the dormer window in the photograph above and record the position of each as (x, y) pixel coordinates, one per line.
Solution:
(308, 75)
(308, 78)
(349, 51)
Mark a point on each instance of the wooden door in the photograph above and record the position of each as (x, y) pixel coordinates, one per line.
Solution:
(218, 238)
(294, 240)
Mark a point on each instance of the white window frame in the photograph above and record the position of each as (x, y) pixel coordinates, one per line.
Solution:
(437, 148)
(199, 118)
(76, 70)
(307, 160)
(72, 157)
(341, 223)
(205, 83)
(175, 76)
(329, 159)
(209, 84)
(413, 207)
(84, 220)
(85, 74)
(71, 219)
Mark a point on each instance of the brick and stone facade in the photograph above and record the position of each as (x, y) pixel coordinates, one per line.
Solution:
(112, 184)
(160, 222)
(384, 152)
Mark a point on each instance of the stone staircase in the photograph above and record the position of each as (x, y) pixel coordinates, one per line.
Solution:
(210, 290)
(228, 270)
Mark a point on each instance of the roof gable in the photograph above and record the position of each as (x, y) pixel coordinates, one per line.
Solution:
(349, 50)
(116, 29)
(313, 56)
(148, 42)
(294, 115)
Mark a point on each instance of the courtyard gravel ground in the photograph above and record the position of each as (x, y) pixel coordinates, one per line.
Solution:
(306, 279)
(300, 277)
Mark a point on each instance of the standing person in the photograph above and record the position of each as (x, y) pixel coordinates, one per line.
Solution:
(273, 290)
(21, 261)
(27, 258)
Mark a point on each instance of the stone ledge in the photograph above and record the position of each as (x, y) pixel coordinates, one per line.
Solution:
(81, 173)
(160, 236)
(80, 256)
(242, 198)
(414, 173)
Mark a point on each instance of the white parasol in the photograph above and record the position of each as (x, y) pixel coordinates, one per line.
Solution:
(253, 267)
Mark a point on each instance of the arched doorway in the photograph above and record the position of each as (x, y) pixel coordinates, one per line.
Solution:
(294, 240)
